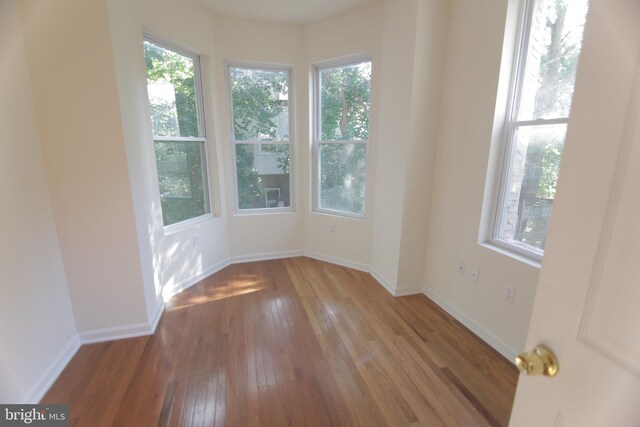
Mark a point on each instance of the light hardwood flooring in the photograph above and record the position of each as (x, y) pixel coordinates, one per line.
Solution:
(292, 342)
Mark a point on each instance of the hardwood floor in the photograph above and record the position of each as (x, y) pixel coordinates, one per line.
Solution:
(293, 342)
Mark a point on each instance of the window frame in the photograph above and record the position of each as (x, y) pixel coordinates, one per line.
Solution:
(316, 141)
(202, 138)
(522, 251)
(290, 142)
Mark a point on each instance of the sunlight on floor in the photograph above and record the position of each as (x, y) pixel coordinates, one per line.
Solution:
(238, 285)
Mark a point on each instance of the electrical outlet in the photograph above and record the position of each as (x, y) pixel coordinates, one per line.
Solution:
(509, 293)
(474, 276)
(332, 231)
(461, 268)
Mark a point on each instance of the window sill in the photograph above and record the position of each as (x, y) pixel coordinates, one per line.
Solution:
(185, 225)
(514, 252)
(338, 214)
(263, 211)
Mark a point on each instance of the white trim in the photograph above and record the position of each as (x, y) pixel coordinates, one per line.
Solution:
(474, 327)
(291, 141)
(157, 315)
(202, 126)
(318, 67)
(264, 256)
(187, 223)
(115, 333)
(388, 285)
(169, 292)
(391, 288)
(338, 261)
(501, 247)
(52, 373)
(408, 290)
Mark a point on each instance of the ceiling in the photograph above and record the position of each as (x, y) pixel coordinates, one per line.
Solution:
(291, 11)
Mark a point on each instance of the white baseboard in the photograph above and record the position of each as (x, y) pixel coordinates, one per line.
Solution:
(408, 290)
(157, 315)
(169, 292)
(390, 287)
(482, 333)
(265, 256)
(338, 261)
(115, 333)
(52, 373)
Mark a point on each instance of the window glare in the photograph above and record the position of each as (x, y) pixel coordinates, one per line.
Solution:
(544, 90)
(171, 85)
(552, 58)
(181, 165)
(342, 124)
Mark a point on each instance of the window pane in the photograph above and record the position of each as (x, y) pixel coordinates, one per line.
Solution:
(171, 85)
(552, 57)
(183, 190)
(263, 176)
(345, 98)
(533, 174)
(260, 104)
(343, 177)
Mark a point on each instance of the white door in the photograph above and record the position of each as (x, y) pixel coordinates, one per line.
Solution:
(587, 307)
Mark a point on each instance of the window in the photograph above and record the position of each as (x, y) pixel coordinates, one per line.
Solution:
(341, 132)
(261, 112)
(175, 101)
(545, 73)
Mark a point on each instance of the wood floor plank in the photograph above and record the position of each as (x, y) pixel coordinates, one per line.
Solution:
(292, 342)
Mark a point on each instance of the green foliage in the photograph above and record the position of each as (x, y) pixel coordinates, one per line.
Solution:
(557, 75)
(345, 99)
(259, 96)
(260, 113)
(249, 182)
(164, 66)
(180, 164)
(551, 157)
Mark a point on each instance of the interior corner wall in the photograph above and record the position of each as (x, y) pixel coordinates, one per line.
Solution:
(70, 64)
(475, 40)
(431, 32)
(396, 66)
(255, 42)
(132, 99)
(37, 326)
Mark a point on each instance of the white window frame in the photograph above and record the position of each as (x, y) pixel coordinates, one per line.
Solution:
(523, 251)
(202, 139)
(316, 181)
(290, 142)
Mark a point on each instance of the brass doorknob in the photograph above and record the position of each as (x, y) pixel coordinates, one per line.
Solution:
(540, 361)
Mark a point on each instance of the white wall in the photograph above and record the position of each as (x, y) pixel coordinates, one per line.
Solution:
(70, 62)
(426, 96)
(472, 69)
(411, 63)
(257, 42)
(37, 327)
